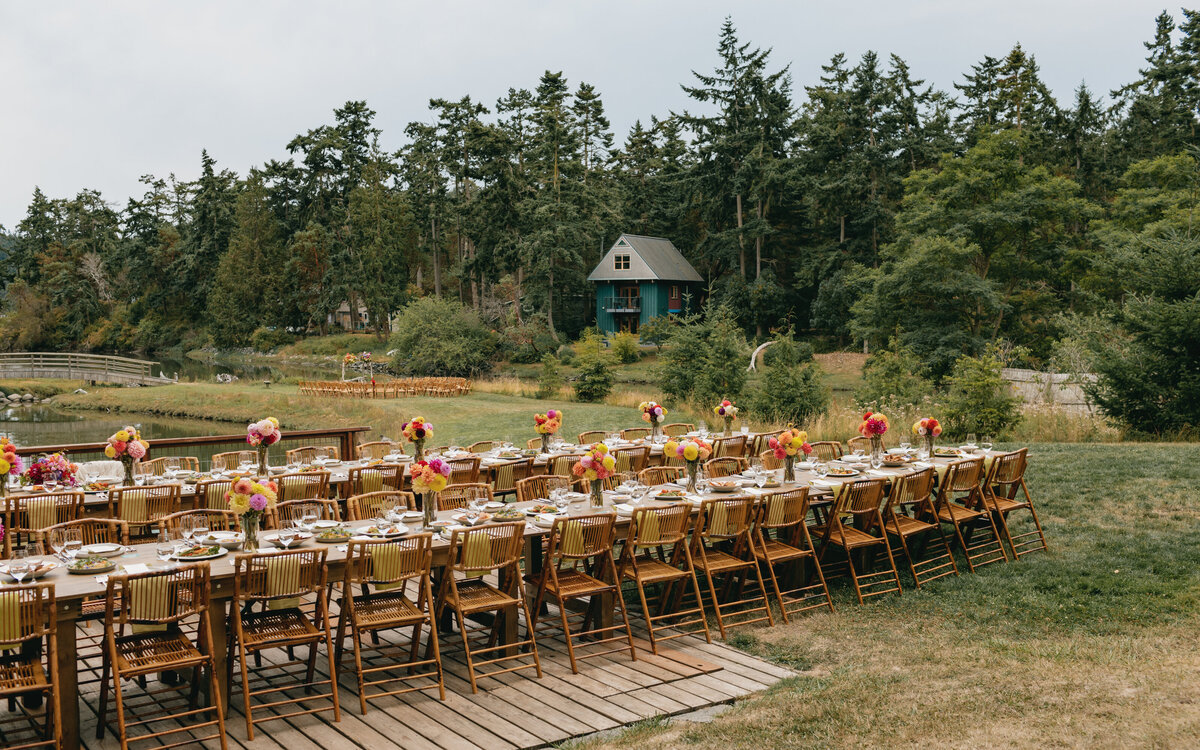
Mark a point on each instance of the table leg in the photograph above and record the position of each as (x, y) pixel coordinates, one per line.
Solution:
(68, 676)
(218, 612)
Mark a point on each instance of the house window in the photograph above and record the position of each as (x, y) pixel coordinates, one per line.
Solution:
(674, 292)
(621, 262)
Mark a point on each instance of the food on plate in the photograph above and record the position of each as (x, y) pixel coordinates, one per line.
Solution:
(334, 534)
(840, 472)
(91, 562)
(895, 459)
(947, 452)
(509, 514)
(672, 493)
(541, 508)
(204, 550)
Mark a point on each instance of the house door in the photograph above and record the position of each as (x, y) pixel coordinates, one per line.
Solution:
(674, 299)
(631, 295)
(627, 323)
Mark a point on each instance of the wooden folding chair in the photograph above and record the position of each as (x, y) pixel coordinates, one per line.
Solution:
(561, 465)
(463, 470)
(726, 466)
(1005, 477)
(483, 446)
(631, 459)
(232, 460)
(210, 493)
(27, 632)
(859, 442)
(158, 466)
(143, 507)
(579, 565)
(26, 514)
(721, 546)
(288, 588)
(215, 520)
(650, 530)
(310, 453)
(533, 444)
(675, 429)
(914, 491)
(784, 515)
(364, 479)
(769, 462)
(761, 441)
(371, 504)
(592, 436)
(474, 554)
(506, 475)
(287, 513)
(155, 622)
(305, 485)
(660, 475)
(827, 450)
(540, 486)
(457, 496)
(634, 433)
(860, 500)
(734, 445)
(382, 571)
(960, 503)
(376, 449)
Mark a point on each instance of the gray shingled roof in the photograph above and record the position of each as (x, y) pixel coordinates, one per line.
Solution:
(664, 261)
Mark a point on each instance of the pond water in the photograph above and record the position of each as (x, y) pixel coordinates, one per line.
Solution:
(42, 424)
(206, 371)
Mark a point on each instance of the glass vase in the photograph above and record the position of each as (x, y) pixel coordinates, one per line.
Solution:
(418, 449)
(262, 460)
(429, 504)
(927, 449)
(545, 443)
(693, 472)
(127, 480)
(728, 427)
(597, 493)
(876, 451)
(250, 523)
(655, 431)
(789, 468)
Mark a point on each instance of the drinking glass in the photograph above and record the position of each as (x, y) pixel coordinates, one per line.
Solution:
(187, 525)
(308, 516)
(905, 446)
(745, 429)
(200, 528)
(50, 483)
(18, 566)
(987, 443)
(702, 427)
(72, 543)
(286, 536)
(820, 469)
(971, 438)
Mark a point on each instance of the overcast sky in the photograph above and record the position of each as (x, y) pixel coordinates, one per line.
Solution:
(96, 94)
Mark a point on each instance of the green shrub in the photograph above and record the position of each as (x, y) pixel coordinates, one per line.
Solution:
(625, 348)
(979, 399)
(550, 379)
(792, 388)
(441, 337)
(893, 376)
(566, 354)
(595, 380)
(706, 359)
(526, 342)
(270, 339)
(657, 330)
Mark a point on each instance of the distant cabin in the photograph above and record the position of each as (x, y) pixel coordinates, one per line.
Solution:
(342, 318)
(640, 278)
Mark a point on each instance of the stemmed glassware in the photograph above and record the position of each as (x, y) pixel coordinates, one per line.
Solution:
(72, 543)
(200, 529)
(164, 549)
(50, 483)
(187, 525)
(987, 444)
(971, 439)
(18, 566)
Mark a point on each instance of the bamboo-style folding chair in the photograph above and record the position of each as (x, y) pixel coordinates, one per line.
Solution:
(457, 496)
(540, 486)
(660, 475)
(726, 466)
(371, 504)
(364, 479)
(232, 460)
(960, 503)
(382, 571)
(1004, 478)
(210, 493)
(579, 565)
(474, 554)
(761, 441)
(592, 436)
(506, 475)
(859, 442)
(769, 462)
(560, 465)
(376, 449)
(784, 515)
(914, 491)
(463, 470)
(721, 547)
(860, 500)
(675, 429)
(827, 450)
(651, 529)
(214, 520)
(158, 466)
(635, 433)
(304, 485)
(483, 446)
(310, 453)
(631, 459)
(26, 514)
(288, 512)
(154, 622)
(27, 632)
(734, 445)
(143, 507)
(288, 591)
(533, 444)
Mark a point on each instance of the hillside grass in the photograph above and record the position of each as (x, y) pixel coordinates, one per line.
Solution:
(1091, 645)
(40, 387)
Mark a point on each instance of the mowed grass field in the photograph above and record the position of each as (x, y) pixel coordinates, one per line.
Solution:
(1092, 645)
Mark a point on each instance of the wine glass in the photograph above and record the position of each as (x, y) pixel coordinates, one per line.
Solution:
(164, 549)
(286, 536)
(72, 543)
(187, 525)
(200, 528)
(821, 469)
(702, 428)
(308, 516)
(745, 429)
(50, 482)
(18, 566)
(971, 439)
(987, 444)
(904, 447)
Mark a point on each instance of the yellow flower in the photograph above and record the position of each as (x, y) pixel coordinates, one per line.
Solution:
(273, 421)
(670, 447)
(602, 448)
(122, 435)
(239, 503)
(4, 466)
(438, 484)
(110, 451)
(610, 463)
(691, 452)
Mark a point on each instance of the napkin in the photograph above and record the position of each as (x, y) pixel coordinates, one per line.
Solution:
(624, 508)
(877, 473)
(823, 484)
(133, 568)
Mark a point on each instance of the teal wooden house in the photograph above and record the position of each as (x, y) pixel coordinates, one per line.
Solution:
(640, 278)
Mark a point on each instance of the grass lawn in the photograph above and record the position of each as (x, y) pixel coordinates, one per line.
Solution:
(1091, 645)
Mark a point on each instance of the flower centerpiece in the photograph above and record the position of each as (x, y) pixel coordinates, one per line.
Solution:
(127, 447)
(928, 428)
(786, 446)
(417, 430)
(250, 499)
(595, 466)
(728, 412)
(349, 359)
(262, 435)
(547, 425)
(654, 414)
(52, 467)
(428, 479)
(692, 451)
(10, 465)
(873, 426)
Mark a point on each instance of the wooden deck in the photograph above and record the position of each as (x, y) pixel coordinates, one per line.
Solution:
(510, 711)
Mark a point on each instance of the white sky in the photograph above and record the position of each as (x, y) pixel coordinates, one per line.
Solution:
(96, 94)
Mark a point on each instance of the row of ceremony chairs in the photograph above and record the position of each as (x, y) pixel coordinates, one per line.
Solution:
(395, 388)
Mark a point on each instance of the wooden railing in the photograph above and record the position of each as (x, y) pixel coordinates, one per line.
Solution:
(203, 447)
(71, 366)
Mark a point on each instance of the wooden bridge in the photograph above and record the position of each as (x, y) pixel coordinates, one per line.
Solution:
(97, 368)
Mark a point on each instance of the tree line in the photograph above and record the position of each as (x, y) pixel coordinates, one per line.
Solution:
(871, 208)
